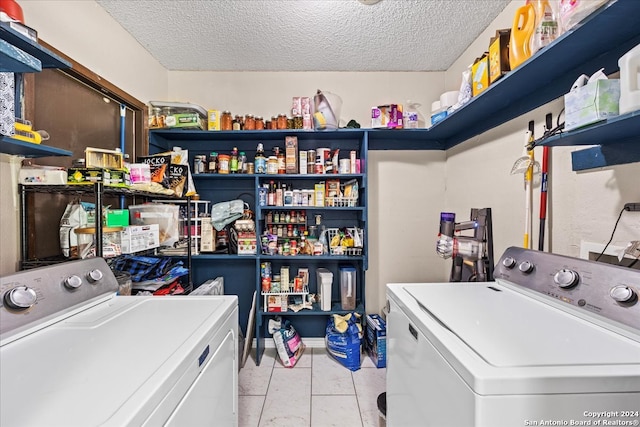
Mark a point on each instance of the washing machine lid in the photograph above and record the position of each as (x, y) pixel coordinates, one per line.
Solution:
(509, 329)
(84, 369)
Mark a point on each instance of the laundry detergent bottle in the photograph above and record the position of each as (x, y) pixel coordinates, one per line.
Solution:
(630, 80)
(523, 26)
(546, 25)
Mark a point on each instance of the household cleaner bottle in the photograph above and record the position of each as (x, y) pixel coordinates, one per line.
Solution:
(523, 26)
(630, 80)
(546, 25)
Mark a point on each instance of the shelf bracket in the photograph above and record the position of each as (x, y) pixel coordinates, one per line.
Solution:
(606, 155)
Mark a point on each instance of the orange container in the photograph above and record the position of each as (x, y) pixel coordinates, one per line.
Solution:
(523, 28)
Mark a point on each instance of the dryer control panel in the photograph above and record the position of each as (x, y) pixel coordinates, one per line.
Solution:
(34, 297)
(607, 290)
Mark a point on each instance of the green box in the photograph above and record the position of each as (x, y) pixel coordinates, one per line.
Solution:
(116, 218)
(591, 103)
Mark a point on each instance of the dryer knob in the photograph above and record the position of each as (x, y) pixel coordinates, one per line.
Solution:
(526, 267)
(94, 275)
(566, 278)
(623, 293)
(20, 298)
(73, 282)
(509, 262)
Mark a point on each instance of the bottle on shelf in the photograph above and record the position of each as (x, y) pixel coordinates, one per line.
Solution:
(271, 194)
(242, 163)
(260, 161)
(233, 164)
(213, 163)
(279, 195)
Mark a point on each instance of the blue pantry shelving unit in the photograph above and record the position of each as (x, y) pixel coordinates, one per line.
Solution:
(20, 54)
(242, 272)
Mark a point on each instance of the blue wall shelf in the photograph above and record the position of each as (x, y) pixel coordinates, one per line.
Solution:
(27, 149)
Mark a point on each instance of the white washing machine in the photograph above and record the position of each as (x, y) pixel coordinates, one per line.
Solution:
(554, 341)
(73, 353)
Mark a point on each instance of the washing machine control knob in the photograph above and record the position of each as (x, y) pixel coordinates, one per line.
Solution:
(73, 282)
(94, 275)
(509, 262)
(526, 267)
(20, 298)
(566, 278)
(623, 293)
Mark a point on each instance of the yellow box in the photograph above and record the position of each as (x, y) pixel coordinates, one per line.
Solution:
(213, 119)
(499, 55)
(480, 75)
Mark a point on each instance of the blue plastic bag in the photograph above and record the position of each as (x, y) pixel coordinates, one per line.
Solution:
(344, 346)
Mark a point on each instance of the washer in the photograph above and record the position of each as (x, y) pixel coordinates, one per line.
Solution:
(554, 341)
(73, 353)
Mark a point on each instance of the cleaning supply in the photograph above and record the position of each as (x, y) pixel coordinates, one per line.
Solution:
(546, 25)
(630, 80)
(523, 27)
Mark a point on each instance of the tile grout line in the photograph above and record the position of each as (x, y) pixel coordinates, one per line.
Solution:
(357, 400)
(264, 401)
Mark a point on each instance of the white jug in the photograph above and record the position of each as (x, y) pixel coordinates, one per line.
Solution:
(630, 80)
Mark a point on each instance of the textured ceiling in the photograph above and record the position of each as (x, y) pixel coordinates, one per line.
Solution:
(305, 35)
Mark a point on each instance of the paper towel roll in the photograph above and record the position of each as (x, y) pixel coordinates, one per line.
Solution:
(448, 99)
(7, 104)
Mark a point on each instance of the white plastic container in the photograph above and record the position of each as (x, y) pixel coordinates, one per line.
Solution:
(630, 80)
(325, 283)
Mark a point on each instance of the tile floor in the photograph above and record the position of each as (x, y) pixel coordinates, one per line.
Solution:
(317, 392)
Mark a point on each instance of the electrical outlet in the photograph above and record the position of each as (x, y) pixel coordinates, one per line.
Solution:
(632, 207)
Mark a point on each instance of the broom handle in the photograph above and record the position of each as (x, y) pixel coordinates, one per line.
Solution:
(543, 196)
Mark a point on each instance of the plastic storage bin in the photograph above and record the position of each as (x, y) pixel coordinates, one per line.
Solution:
(348, 288)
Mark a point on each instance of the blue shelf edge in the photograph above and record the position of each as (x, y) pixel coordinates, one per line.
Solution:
(335, 309)
(17, 147)
(15, 60)
(605, 155)
(47, 58)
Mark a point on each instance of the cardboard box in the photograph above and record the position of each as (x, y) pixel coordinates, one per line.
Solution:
(109, 177)
(213, 121)
(499, 55)
(247, 243)
(291, 154)
(480, 75)
(185, 120)
(376, 340)
(116, 218)
(136, 238)
(277, 303)
(591, 103)
(387, 116)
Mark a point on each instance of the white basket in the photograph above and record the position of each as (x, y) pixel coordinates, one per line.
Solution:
(341, 250)
(340, 202)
